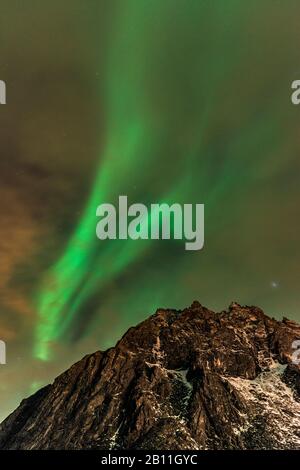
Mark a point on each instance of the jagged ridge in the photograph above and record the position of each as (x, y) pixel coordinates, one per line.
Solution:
(190, 379)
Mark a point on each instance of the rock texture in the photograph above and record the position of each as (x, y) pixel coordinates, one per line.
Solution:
(190, 379)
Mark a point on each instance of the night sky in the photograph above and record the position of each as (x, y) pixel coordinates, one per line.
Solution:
(164, 101)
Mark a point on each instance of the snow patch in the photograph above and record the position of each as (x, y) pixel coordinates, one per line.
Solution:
(274, 402)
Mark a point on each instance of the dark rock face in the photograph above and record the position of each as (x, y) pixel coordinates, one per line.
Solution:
(190, 379)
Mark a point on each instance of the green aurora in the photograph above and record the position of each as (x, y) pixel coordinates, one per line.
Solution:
(135, 142)
(164, 101)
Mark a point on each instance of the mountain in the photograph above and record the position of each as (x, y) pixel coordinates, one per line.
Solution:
(189, 379)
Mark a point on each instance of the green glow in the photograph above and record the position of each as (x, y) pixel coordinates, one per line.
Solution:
(138, 124)
(71, 277)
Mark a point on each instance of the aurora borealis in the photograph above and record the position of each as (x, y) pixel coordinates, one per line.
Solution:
(164, 101)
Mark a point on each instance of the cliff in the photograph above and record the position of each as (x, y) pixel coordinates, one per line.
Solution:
(190, 379)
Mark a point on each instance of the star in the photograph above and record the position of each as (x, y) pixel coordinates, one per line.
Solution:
(274, 284)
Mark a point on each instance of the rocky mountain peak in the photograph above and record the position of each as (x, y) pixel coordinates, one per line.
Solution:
(181, 379)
